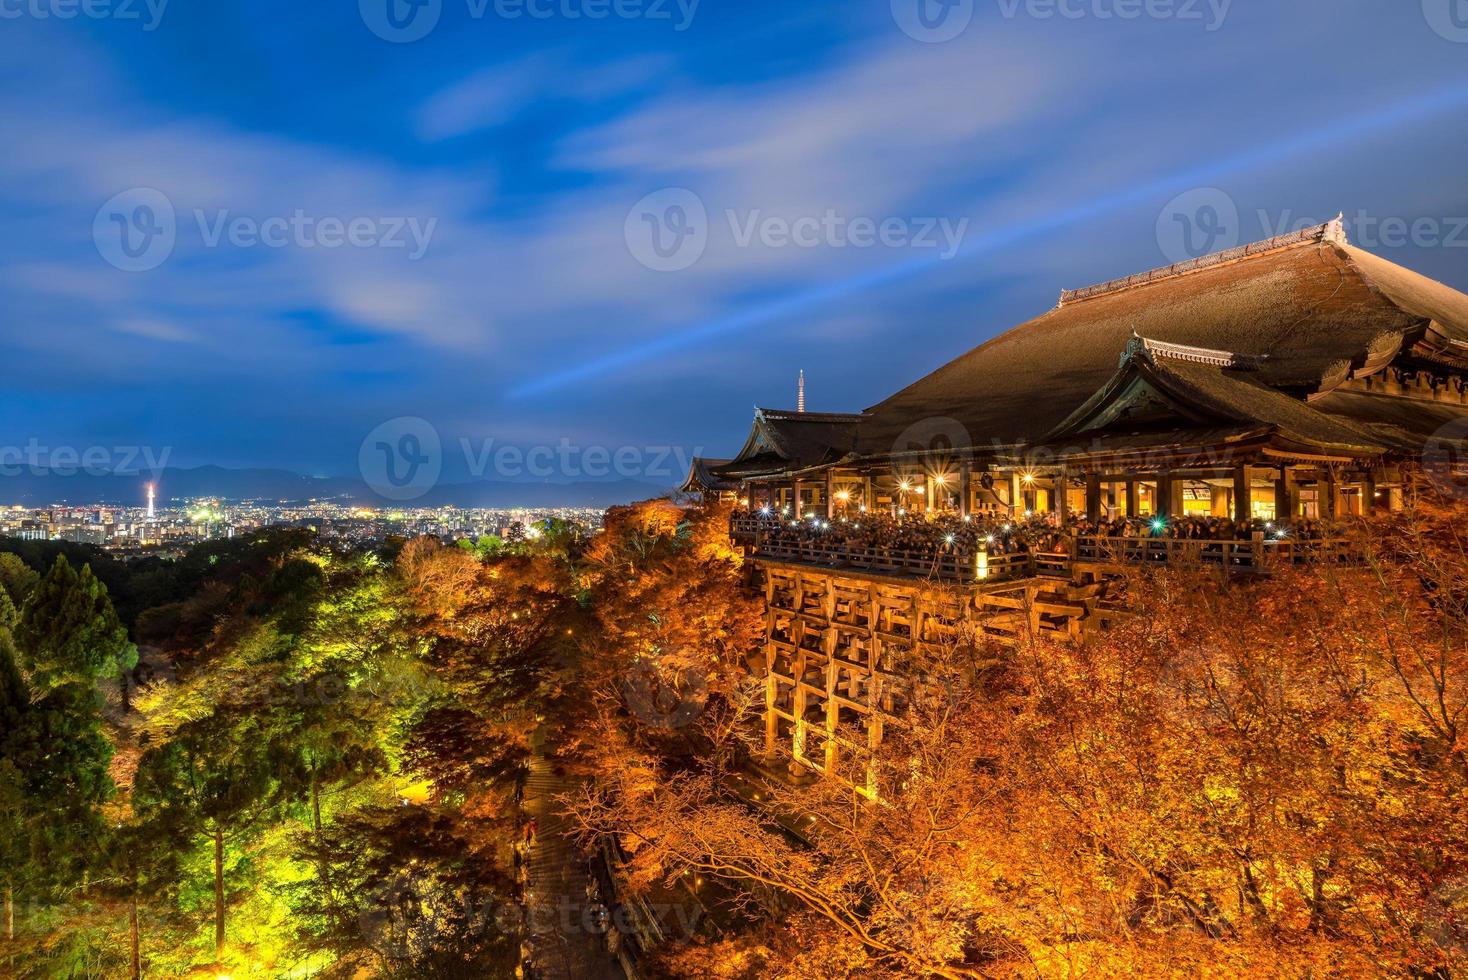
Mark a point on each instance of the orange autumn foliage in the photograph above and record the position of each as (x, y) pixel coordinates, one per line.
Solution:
(1245, 778)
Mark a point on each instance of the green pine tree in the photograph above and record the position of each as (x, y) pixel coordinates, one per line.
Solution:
(69, 632)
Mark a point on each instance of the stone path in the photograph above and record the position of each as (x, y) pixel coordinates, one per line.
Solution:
(565, 939)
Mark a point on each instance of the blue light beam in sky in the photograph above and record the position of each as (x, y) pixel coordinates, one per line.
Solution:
(1421, 107)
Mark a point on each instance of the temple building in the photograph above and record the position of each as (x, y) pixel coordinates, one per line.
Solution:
(1294, 377)
(1226, 413)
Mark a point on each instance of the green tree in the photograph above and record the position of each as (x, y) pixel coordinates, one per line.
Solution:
(9, 614)
(16, 578)
(69, 632)
(14, 700)
(212, 783)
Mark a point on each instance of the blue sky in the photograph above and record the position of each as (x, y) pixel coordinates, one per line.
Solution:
(500, 169)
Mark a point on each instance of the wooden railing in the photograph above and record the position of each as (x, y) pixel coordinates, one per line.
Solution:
(1256, 555)
(946, 565)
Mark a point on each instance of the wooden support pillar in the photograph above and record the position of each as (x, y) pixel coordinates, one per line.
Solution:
(1016, 496)
(1326, 492)
(796, 508)
(1093, 496)
(1368, 493)
(1243, 504)
(868, 498)
(1162, 500)
(1133, 499)
(1286, 496)
(830, 494)
(1061, 503)
(965, 487)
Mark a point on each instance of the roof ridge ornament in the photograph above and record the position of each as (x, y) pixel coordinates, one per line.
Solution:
(1153, 350)
(1333, 231)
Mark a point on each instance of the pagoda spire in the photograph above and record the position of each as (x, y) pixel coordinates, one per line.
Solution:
(800, 392)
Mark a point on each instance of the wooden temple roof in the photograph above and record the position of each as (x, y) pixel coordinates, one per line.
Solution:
(702, 479)
(1307, 314)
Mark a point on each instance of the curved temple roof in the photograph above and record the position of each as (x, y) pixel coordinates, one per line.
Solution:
(1303, 315)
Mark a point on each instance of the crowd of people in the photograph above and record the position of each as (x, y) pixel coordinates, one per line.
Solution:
(1193, 527)
(920, 533)
(948, 533)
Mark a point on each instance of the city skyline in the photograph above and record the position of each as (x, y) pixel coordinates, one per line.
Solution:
(476, 258)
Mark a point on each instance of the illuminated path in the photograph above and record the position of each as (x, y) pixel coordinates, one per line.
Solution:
(566, 942)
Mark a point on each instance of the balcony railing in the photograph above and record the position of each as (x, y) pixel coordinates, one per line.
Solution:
(960, 565)
(946, 565)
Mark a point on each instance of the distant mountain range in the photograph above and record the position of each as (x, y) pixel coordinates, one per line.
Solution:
(34, 488)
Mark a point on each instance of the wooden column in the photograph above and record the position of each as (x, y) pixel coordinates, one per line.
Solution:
(1326, 493)
(1061, 503)
(965, 487)
(1243, 505)
(1162, 501)
(796, 507)
(1133, 499)
(1368, 493)
(830, 494)
(1286, 496)
(1016, 496)
(868, 496)
(1093, 495)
